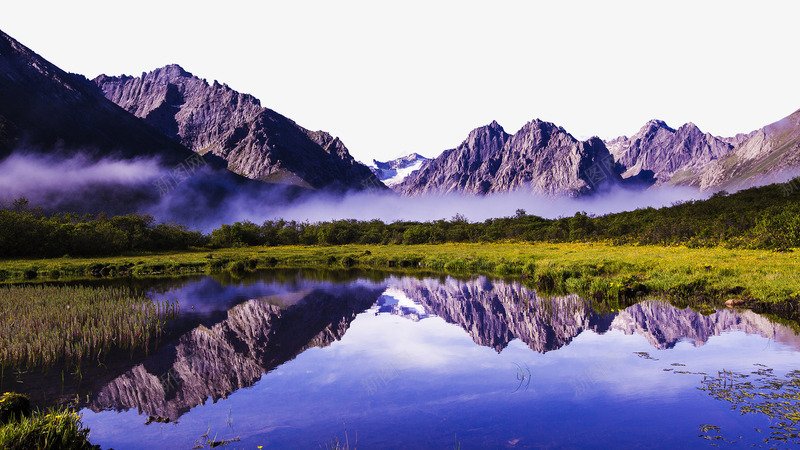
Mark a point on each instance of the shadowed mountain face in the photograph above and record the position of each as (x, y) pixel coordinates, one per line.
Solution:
(72, 149)
(256, 142)
(256, 337)
(540, 157)
(663, 151)
(44, 109)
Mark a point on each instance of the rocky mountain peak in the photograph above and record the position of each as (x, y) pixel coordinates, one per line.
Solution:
(541, 157)
(657, 124)
(496, 126)
(255, 141)
(760, 156)
(659, 152)
(170, 73)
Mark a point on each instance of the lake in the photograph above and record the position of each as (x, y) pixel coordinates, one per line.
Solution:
(301, 359)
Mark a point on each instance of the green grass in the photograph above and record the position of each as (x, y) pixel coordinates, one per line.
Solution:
(53, 429)
(584, 268)
(43, 325)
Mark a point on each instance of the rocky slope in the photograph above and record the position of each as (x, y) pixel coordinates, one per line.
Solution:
(46, 110)
(658, 152)
(769, 154)
(255, 141)
(77, 151)
(540, 157)
(395, 171)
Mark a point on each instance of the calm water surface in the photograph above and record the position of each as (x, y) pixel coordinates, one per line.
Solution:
(291, 360)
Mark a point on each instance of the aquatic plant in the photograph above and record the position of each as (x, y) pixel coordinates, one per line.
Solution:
(335, 444)
(43, 325)
(759, 392)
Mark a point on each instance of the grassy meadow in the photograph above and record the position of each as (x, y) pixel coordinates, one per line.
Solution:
(586, 268)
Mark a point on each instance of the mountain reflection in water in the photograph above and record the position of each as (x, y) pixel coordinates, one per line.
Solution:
(254, 337)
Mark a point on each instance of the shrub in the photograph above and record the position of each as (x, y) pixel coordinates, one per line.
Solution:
(238, 267)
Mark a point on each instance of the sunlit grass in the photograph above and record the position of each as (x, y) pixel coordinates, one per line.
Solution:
(761, 274)
(57, 428)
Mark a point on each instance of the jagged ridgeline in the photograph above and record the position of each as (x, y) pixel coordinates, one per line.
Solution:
(89, 155)
(256, 142)
(102, 158)
(545, 159)
(689, 157)
(540, 157)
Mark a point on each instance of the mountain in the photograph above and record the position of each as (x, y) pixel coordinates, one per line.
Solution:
(48, 111)
(65, 147)
(395, 171)
(658, 152)
(256, 142)
(664, 325)
(540, 157)
(768, 154)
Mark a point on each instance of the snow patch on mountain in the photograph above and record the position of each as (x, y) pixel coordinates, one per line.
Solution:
(395, 171)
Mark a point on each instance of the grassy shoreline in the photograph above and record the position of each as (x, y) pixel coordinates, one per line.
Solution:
(585, 268)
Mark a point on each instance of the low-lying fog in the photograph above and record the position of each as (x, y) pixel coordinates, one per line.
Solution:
(203, 201)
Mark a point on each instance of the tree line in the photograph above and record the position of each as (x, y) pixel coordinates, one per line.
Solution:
(766, 217)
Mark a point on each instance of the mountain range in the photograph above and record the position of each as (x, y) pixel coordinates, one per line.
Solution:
(541, 157)
(544, 158)
(256, 142)
(171, 116)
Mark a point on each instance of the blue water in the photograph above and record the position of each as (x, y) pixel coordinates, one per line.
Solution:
(435, 363)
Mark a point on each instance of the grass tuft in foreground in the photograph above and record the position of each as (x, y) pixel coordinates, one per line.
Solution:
(54, 429)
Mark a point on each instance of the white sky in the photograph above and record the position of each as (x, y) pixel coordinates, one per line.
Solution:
(394, 78)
